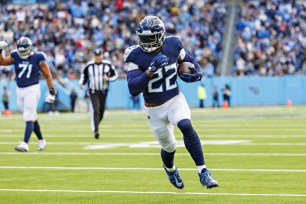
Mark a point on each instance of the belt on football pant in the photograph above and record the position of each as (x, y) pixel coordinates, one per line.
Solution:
(154, 104)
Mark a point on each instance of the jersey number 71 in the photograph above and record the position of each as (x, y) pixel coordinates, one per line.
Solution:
(25, 67)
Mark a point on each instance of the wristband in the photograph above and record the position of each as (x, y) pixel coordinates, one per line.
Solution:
(52, 91)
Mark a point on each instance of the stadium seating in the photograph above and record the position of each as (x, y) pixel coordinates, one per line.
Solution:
(270, 38)
(67, 31)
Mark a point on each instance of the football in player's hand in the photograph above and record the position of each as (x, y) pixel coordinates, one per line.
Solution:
(184, 68)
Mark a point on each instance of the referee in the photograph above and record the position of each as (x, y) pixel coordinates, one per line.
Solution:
(97, 74)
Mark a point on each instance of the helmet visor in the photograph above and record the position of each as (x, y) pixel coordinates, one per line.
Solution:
(150, 43)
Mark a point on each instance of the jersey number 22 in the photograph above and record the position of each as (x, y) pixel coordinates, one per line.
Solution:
(159, 77)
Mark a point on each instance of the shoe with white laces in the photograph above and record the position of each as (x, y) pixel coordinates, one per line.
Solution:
(22, 147)
(207, 180)
(174, 178)
(41, 145)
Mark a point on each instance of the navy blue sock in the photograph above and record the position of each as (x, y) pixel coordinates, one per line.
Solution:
(28, 131)
(37, 130)
(192, 141)
(167, 158)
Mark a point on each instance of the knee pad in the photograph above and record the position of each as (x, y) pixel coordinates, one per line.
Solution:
(166, 139)
(170, 148)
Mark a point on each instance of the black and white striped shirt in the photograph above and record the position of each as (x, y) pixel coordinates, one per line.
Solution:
(93, 75)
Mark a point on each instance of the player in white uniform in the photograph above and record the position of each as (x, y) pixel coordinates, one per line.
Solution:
(28, 65)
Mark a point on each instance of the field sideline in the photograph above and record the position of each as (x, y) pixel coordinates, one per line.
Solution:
(257, 154)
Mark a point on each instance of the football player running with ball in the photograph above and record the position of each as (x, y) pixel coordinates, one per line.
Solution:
(28, 65)
(152, 70)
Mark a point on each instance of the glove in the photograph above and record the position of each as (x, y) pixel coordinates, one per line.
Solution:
(158, 61)
(51, 96)
(3, 45)
(195, 76)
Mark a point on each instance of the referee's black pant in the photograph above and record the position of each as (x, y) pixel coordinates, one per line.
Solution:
(98, 99)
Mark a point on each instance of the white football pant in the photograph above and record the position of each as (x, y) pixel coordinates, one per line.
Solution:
(27, 101)
(163, 118)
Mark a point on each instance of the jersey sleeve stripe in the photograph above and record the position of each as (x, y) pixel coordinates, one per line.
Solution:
(132, 66)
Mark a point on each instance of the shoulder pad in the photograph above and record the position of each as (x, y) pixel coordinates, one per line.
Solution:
(14, 54)
(41, 53)
(173, 37)
(14, 51)
(174, 42)
(128, 51)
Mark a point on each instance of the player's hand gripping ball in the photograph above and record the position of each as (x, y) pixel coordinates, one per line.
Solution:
(188, 73)
(184, 68)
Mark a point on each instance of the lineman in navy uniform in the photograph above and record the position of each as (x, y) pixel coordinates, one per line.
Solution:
(152, 70)
(97, 73)
(28, 65)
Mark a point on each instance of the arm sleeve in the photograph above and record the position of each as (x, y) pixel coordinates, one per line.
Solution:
(137, 81)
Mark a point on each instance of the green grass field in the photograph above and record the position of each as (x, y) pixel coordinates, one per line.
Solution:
(257, 154)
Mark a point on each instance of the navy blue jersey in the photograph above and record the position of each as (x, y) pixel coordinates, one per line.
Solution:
(27, 70)
(162, 86)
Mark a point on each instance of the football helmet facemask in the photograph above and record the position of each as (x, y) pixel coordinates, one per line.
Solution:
(150, 31)
(24, 47)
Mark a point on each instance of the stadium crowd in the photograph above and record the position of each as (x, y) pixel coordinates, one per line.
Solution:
(68, 31)
(271, 38)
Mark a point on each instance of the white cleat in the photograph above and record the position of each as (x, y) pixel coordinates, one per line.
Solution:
(22, 147)
(41, 145)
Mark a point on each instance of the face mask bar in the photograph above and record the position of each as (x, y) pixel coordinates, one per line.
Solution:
(150, 43)
(24, 53)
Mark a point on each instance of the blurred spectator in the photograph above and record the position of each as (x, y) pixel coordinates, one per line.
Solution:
(135, 102)
(5, 101)
(227, 95)
(67, 30)
(271, 38)
(271, 34)
(215, 98)
(73, 98)
(208, 68)
(201, 95)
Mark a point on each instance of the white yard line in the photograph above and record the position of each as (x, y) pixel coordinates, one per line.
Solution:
(207, 142)
(149, 135)
(141, 130)
(152, 154)
(273, 144)
(84, 135)
(148, 169)
(153, 192)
